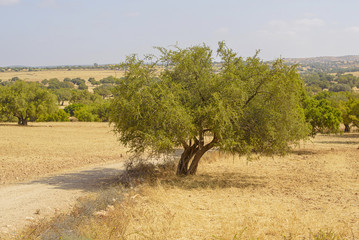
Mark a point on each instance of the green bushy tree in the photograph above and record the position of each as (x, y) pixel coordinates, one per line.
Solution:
(248, 106)
(26, 101)
(322, 116)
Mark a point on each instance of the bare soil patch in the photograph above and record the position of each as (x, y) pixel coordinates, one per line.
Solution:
(47, 148)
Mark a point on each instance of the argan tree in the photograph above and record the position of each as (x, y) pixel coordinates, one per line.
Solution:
(240, 106)
(26, 101)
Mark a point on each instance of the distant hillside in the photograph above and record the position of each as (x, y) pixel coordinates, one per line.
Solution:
(328, 64)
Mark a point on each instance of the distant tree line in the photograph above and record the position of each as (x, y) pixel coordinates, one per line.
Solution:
(55, 100)
(23, 101)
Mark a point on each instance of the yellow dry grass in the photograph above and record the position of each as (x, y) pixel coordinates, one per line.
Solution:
(38, 76)
(44, 148)
(314, 188)
(354, 73)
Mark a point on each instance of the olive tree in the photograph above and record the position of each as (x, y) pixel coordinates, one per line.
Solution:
(244, 106)
(26, 101)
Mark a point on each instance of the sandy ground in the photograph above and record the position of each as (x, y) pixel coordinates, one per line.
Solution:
(47, 166)
(23, 203)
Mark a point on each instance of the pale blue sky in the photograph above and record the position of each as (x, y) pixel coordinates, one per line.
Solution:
(70, 32)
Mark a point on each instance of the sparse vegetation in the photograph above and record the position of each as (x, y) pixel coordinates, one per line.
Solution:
(230, 198)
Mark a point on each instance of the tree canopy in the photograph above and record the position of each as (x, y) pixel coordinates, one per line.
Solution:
(244, 106)
(26, 101)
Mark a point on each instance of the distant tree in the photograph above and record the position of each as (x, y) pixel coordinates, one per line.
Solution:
(63, 94)
(83, 96)
(348, 79)
(108, 80)
(78, 81)
(248, 106)
(340, 88)
(103, 90)
(26, 101)
(322, 116)
(83, 86)
(45, 82)
(93, 81)
(70, 109)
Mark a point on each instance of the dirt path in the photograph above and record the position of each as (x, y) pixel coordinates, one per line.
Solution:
(22, 203)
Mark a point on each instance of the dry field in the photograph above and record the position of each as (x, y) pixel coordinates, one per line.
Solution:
(312, 191)
(315, 188)
(45, 148)
(38, 76)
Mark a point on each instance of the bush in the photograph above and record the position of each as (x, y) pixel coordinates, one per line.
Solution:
(59, 116)
(70, 109)
(83, 86)
(85, 115)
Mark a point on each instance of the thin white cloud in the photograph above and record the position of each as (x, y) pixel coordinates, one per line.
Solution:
(132, 14)
(223, 30)
(48, 3)
(310, 22)
(292, 28)
(354, 29)
(8, 2)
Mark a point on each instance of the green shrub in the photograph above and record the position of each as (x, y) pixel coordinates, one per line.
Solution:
(59, 116)
(84, 115)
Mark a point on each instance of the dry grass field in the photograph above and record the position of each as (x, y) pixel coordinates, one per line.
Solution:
(45, 148)
(312, 193)
(38, 76)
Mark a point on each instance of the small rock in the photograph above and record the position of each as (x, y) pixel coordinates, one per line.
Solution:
(101, 213)
(29, 219)
(110, 208)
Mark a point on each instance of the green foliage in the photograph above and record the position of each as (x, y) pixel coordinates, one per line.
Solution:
(97, 111)
(349, 80)
(340, 87)
(54, 83)
(84, 115)
(70, 109)
(322, 116)
(45, 82)
(62, 94)
(78, 81)
(103, 90)
(108, 80)
(84, 97)
(93, 81)
(347, 103)
(102, 110)
(240, 108)
(26, 101)
(82, 86)
(59, 116)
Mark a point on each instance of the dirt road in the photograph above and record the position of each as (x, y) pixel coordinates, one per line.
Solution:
(22, 203)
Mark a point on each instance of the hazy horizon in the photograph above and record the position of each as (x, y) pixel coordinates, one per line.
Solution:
(78, 32)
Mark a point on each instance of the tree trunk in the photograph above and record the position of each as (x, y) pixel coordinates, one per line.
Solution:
(22, 121)
(186, 156)
(347, 128)
(194, 153)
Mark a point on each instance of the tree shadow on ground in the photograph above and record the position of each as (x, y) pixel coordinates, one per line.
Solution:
(88, 180)
(215, 181)
(340, 142)
(348, 135)
(304, 152)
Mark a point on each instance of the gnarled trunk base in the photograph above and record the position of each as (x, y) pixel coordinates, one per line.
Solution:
(347, 128)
